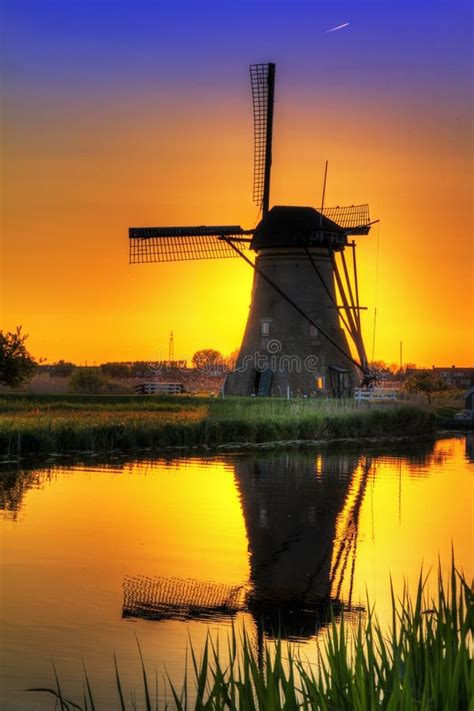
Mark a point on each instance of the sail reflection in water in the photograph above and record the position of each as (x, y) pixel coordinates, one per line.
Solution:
(301, 519)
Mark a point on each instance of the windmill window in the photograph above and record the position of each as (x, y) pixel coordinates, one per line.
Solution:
(320, 384)
(262, 517)
(313, 331)
(311, 514)
(265, 328)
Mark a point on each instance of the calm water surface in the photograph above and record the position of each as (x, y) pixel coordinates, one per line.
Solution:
(94, 554)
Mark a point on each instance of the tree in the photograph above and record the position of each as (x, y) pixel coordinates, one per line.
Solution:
(409, 366)
(425, 382)
(141, 369)
(87, 380)
(62, 369)
(206, 359)
(16, 364)
(378, 365)
(231, 359)
(116, 370)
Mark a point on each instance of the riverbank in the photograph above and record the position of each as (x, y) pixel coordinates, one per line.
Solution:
(31, 425)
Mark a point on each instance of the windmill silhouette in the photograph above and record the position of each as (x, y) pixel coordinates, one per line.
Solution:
(305, 302)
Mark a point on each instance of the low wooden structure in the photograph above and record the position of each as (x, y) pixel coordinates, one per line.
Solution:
(159, 388)
(377, 394)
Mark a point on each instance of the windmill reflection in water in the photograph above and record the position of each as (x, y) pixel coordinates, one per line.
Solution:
(301, 521)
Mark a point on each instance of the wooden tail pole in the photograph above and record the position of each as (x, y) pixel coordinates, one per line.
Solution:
(324, 193)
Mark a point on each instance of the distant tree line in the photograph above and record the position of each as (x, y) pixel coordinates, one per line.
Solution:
(113, 370)
(18, 366)
(391, 371)
(206, 360)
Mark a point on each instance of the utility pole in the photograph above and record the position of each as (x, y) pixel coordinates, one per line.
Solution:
(324, 193)
(401, 355)
(171, 348)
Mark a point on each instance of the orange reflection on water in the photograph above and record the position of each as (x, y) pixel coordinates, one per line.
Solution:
(414, 513)
(290, 529)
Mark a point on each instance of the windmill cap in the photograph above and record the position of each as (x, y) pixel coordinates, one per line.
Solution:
(287, 226)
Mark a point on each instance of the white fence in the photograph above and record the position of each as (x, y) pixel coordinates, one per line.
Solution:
(159, 388)
(377, 394)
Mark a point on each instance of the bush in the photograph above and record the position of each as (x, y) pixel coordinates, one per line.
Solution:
(88, 380)
(424, 382)
(116, 370)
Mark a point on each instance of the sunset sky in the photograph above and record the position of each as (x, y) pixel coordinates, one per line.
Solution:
(139, 113)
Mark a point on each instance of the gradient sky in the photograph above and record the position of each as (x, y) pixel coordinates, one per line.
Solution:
(133, 113)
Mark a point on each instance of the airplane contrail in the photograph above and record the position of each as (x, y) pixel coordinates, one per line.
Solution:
(339, 27)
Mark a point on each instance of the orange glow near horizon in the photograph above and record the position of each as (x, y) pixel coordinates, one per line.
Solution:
(78, 177)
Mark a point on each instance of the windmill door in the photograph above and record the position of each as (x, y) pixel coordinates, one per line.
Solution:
(263, 382)
(340, 381)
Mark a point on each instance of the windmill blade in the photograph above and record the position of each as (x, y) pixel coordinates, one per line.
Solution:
(354, 219)
(177, 244)
(262, 77)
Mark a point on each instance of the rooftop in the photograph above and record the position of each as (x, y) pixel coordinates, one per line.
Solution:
(288, 226)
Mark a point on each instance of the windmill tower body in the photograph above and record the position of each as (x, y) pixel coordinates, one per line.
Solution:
(282, 353)
(294, 343)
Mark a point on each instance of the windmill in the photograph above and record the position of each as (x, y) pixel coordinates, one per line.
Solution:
(305, 295)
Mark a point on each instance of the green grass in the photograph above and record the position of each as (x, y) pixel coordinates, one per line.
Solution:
(423, 662)
(32, 425)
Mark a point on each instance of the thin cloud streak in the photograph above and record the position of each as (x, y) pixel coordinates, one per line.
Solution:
(339, 27)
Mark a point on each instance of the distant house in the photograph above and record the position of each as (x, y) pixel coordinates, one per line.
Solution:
(452, 377)
(455, 377)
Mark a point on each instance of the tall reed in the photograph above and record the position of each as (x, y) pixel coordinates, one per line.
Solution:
(45, 425)
(423, 661)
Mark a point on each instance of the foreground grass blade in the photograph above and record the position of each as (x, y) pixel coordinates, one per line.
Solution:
(119, 685)
(65, 704)
(89, 691)
(145, 680)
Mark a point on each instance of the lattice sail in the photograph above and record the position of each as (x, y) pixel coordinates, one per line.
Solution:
(177, 244)
(262, 77)
(352, 218)
(172, 598)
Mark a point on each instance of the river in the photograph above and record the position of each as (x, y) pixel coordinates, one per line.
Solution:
(99, 552)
